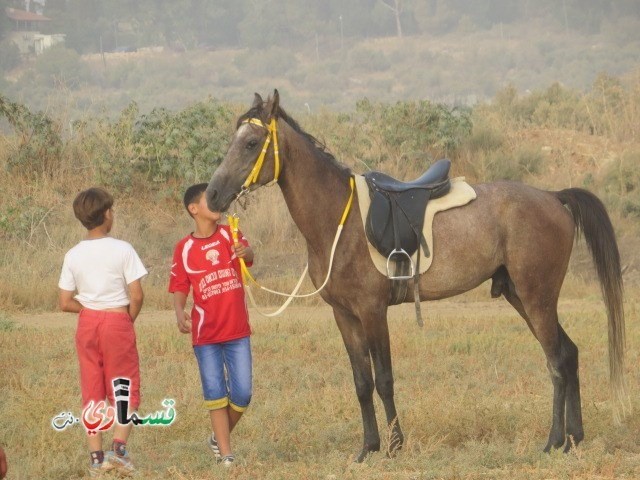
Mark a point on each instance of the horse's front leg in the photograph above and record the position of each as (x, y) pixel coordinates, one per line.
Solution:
(377, 331)
(358, 349)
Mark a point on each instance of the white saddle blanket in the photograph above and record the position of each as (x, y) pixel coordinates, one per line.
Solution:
(460, 194)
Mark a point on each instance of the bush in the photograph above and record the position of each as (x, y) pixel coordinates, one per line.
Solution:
(18, 218)
(485, 138)
(622, 183)
(614, 110)
(61, 66)
(38, 145)
(414, 128)
(161, 146)
(555, 107)
(187, 145)
(501, 164)
(111, 148)
(529, 161)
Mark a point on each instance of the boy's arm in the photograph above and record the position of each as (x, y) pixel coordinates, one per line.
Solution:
(182, 317)
(67, 303)
(136, 297)
(243, 251)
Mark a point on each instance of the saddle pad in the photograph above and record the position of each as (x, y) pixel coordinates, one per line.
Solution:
(460, 194)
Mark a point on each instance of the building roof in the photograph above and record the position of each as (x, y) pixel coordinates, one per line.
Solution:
(24, 16)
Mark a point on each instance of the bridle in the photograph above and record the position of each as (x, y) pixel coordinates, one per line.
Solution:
(272, 132)
(246, 188)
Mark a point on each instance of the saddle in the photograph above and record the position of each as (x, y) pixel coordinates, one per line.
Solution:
(395, 220)
(396, 215)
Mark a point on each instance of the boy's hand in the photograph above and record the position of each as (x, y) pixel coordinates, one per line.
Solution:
(184, 322)
(243, 251)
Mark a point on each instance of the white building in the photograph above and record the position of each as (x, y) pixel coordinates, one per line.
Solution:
(26, 32)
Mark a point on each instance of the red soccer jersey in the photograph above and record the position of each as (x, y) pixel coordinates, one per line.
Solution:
(210, 267)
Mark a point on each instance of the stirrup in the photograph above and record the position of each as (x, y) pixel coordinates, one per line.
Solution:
(400, 251)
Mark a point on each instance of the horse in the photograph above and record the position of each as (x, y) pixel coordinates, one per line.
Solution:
(518, 236)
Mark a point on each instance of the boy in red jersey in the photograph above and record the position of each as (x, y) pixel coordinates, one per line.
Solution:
(207, 262)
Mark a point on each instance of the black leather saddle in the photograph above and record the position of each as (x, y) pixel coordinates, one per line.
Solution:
(396, 214)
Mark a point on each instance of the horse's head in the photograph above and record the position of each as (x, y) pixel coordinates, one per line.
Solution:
(245, 167)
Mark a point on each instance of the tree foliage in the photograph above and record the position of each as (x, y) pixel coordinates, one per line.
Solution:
(37, 144)
(249, 23)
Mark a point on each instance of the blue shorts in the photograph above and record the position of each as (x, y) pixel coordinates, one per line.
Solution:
(225, 372)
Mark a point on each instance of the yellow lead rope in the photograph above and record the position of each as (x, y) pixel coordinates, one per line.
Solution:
(246, 274)
(234, 222)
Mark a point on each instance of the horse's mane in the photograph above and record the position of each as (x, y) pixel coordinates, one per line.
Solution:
(320, 147)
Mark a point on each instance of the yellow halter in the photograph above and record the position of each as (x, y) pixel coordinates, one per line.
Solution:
(234, 220)
(255, 171)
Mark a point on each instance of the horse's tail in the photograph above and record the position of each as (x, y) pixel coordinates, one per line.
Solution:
(590, 216)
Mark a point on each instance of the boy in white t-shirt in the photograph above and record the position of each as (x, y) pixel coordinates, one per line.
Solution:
(105, 273)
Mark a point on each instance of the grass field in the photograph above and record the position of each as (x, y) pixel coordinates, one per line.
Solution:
(472, 391)
(472, 388)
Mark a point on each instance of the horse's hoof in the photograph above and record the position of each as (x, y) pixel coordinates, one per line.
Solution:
(365, 452)
(362, 456)
(394, 448)
(555, 445)
(572, 442)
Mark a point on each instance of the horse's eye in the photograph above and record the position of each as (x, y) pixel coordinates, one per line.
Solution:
(251, 144)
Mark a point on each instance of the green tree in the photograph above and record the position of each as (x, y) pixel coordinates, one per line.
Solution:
(82, 21)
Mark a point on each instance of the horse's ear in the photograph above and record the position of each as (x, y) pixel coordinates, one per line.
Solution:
(275, 104)
(257, 101)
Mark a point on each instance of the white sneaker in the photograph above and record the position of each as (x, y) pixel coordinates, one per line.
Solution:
(123, 465)
(227, 460)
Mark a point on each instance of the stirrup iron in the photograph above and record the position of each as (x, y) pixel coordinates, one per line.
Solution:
(402, 252)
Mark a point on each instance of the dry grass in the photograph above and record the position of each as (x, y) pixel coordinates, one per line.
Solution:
(472, 390)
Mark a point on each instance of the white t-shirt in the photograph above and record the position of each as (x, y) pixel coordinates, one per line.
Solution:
(100, 271)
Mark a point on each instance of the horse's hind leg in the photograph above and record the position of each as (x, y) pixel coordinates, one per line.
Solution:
(357, 346)
(562, 362)
(575, 432)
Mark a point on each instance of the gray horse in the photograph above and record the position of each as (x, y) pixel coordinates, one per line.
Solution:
(518, 236)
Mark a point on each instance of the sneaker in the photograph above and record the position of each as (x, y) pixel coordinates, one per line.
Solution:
(96, 469)
(123, 465)
(213, 445)
(227, 460)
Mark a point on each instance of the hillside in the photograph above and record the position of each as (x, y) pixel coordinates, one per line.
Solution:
(467, 66)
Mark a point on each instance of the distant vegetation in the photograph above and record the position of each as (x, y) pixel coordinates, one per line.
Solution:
(552, 138)
(320, 54)
(92, 25)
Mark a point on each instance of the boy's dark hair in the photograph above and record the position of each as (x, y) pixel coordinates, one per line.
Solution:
(90, 206)
(193, 194)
